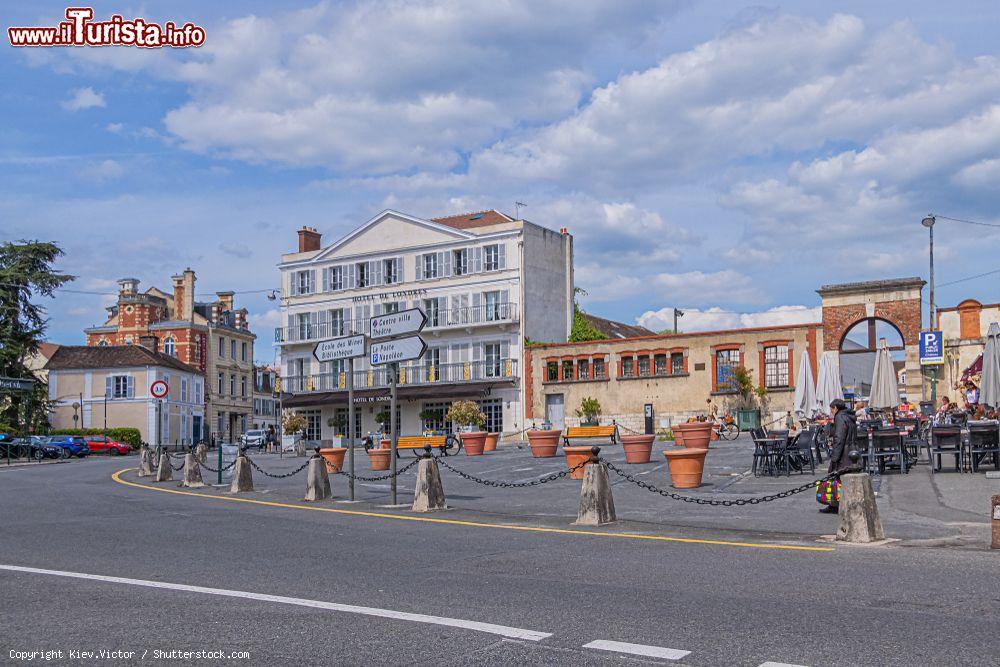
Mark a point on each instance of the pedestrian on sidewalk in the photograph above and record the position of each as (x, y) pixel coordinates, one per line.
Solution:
(845, 428)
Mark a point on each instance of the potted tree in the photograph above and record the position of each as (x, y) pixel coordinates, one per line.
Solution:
(589, 412)
(334, 456)
(466, 415)
(294, 424)
(385, 424)
(748, 400)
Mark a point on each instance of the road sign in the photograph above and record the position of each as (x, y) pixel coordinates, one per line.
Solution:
(931, 348)
(398, 349)
(409, 321)
(348, 347)
(159, 389)
(16, 384)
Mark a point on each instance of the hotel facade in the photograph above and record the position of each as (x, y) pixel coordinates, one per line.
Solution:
(486, 282)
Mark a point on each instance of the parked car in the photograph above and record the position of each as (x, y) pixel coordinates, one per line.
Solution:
(32, 447)
(72, 445)
(254, 438)
(102, 443)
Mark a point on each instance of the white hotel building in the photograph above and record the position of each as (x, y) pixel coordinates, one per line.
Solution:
(485, 281)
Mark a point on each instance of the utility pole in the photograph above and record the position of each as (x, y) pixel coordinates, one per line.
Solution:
(350, 426)
(392, 369)
(928, 222)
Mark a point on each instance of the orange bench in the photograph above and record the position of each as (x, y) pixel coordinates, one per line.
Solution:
(608, 431)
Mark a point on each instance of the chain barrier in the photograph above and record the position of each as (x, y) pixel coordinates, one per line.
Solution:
(738, 502)
(500, 484)
(177, 467)
(267, 474)
(623, 427)
(378, 478)
(177, 457)
(216, 470)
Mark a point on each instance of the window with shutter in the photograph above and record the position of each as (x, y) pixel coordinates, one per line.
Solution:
(108, 387)
(501, 257)
(419, 267)
(445, 268)
(477, 260)
(131, 386)
(352, 278)
(326, 280)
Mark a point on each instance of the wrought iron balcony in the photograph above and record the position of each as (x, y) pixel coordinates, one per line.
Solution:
(412, 374)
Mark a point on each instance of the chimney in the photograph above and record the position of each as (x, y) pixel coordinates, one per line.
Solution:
(187, 313)
(128, 286)
(148, 342)
(225, 300)
(309, 239)
(178, 297)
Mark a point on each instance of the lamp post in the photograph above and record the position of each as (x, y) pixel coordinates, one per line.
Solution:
(928, 222)
(677, 313)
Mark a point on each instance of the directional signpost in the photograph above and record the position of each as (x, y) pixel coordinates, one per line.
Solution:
(350, 348)
(16, 384)
(401, 346)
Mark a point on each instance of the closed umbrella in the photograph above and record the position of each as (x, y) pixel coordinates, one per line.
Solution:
(989, 389)
(885, 384)
(828, 387)
(805, 391)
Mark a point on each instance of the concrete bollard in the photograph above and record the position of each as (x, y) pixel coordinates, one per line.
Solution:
(597, 505)
(192, 472)
(145, 462)
(201, 453)
(859, 519)
(317, 480)
(164, 473)
(995, 506)
(242, 476)
(428, 495)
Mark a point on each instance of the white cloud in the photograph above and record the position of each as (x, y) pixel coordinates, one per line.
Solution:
(103, 171)
(114, 128)
(83, 98)
(236, 249)
(604, 282)
(717, 318)
(266, 320)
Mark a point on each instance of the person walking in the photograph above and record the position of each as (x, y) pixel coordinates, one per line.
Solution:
(845, 428)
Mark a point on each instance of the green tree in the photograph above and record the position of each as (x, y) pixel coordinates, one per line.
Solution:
(26, 273)
(582, 328)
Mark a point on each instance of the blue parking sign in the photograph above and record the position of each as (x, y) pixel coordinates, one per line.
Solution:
(931, 347)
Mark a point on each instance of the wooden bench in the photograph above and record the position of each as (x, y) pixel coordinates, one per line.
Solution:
(608, 431)
(443, 443)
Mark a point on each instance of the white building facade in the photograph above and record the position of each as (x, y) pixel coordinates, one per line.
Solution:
(485, 281)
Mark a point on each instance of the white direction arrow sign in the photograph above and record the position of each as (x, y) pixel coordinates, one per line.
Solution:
(348, 347)
(404, 322)
(398, 349)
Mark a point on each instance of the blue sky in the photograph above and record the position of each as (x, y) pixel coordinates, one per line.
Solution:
(723, 158)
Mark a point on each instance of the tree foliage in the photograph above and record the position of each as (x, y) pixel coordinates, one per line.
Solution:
(26, 273)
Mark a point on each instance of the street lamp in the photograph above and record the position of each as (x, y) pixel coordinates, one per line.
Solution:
(928, 222)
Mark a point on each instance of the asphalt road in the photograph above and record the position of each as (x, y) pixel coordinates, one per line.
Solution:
(201, 574)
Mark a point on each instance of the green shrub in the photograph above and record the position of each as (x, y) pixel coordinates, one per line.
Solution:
(9, 430)
(130, 436)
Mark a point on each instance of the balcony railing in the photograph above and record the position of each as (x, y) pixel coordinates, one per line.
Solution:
(413, 374)
(445, 318)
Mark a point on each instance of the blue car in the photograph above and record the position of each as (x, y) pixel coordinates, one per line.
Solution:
(72, 445)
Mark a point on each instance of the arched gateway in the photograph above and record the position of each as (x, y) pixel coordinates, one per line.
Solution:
(857, 315)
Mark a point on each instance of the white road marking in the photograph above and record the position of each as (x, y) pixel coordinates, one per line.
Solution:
(637, 649)
(778, 664)
(502, 630)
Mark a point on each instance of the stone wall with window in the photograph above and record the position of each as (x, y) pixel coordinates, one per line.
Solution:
(677, 373)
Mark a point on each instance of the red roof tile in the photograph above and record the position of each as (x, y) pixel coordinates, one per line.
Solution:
(474, 219)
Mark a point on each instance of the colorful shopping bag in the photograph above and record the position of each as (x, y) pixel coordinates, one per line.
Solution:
(828, 492)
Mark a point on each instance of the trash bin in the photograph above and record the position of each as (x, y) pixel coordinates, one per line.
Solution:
(747, 419)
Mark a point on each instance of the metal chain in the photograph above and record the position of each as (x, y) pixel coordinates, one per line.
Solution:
(210, 468)
(738, 502)
(178, 456)
(267, 474)
(378, 478)
(499, 484)
(178, 467)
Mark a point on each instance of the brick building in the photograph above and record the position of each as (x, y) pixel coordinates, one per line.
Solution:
(213, 337)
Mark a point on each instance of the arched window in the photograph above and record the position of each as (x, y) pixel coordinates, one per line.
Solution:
(857, 354)
(102, 343)
(169, 347)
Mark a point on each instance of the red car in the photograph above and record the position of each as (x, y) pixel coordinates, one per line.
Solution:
(102, 443)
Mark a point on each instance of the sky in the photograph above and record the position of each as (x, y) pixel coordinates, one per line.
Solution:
(721, 158)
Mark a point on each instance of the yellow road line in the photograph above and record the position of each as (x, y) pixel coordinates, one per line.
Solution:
(475, 524)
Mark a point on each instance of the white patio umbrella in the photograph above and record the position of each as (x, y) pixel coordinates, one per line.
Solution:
(885, 384)
(989, 383)
(828, 387)
(805, 392)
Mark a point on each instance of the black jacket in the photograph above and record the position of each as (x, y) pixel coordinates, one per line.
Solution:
(845, 428)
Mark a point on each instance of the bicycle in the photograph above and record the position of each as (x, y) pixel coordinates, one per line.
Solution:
(727, 428)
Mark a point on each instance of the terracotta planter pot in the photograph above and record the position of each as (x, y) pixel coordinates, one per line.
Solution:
(638, 448)
(686, 467)
(385, 443)
(696, 435)
(678, 436)
(574, 457)
(334, 457)
(474, 443)
(379, 458)
(544, 443)
(491, 442)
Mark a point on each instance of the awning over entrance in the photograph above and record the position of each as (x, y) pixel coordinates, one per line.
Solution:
(422, 392)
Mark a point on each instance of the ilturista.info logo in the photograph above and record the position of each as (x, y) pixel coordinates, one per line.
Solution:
(80, 29)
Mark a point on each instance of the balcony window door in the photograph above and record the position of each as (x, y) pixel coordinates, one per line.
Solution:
(363, 273)
(432, 364)
(492, 357)
(495, 305)
(433, 311)
(336, 322)
(390, 271)
(460, 262)
(302, 327)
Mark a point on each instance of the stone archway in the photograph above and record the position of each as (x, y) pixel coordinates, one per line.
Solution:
(896, 301)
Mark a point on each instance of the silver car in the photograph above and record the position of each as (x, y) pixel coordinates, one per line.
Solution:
(254, 438)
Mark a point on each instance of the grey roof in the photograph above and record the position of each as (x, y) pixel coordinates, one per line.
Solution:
(101, 329)
(613, 329)
(113, 356)
(871, 285)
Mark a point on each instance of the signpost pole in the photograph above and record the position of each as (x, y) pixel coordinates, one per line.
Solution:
(350, 424)
(391, 368)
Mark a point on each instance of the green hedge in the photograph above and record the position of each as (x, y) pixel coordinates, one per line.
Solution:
(129, 436)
